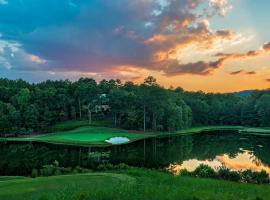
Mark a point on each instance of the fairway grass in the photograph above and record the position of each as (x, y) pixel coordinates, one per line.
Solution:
(131, 184)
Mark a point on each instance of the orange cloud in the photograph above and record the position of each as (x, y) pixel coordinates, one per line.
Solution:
(156, 39)
(243, 162)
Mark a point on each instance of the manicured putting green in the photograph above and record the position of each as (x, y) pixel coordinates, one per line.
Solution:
(86, 136)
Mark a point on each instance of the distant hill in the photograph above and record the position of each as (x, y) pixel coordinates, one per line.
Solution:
(244, 93)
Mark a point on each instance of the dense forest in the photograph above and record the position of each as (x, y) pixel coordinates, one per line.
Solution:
(32, 108)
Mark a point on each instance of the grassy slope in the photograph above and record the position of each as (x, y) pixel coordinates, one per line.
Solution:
(85, 136)
(129, 184)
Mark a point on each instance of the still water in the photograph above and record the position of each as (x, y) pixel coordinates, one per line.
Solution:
(216, 149)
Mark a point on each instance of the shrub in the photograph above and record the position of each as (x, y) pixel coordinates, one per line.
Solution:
(185, 172)
(109, 166)
(122, 166)
(34, 173)
(47, 170)
(227, 174)
(78, 169)
(262, 177)
(204, 171)
(57, 172)
(249, 176)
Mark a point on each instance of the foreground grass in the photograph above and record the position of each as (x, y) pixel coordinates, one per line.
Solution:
(129, 184)
(86, 135)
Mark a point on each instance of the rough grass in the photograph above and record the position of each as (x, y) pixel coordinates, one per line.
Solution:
(86, 135)
(69, 125)
(131, 184)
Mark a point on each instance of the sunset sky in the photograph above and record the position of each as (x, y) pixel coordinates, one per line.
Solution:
(208, 45)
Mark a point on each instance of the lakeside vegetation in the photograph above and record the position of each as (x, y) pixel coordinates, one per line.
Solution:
(125, 184)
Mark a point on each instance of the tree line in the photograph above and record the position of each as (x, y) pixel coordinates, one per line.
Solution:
(28, 108)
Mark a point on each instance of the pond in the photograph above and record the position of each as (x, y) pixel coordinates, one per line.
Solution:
(218, 148)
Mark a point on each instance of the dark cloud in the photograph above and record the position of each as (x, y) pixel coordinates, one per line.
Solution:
(251, 72)
(100, 35)
(227, 34)
(173, 67)
(242, 72)
(268, 79)
(266, 46)
(236, 72)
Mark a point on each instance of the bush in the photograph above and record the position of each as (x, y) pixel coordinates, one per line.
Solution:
(262, 177)
(227, 174)
(122, 166)
(109, 166)
(249, 176)
(185, 172)
(34, 173)
(47, 170)
(78, 169)
(204, 171)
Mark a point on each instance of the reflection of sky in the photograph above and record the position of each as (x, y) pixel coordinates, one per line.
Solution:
(242, 161)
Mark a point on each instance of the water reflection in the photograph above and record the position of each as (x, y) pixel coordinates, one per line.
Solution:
(215, 149)
(218, 148)
(241, 161)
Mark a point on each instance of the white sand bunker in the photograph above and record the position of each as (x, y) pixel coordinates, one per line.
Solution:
(117, 140)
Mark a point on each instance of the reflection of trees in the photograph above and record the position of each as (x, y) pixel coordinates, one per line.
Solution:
(21, 158)
(205, 146)
(209, 145)
(158, 152)
(262, 153)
